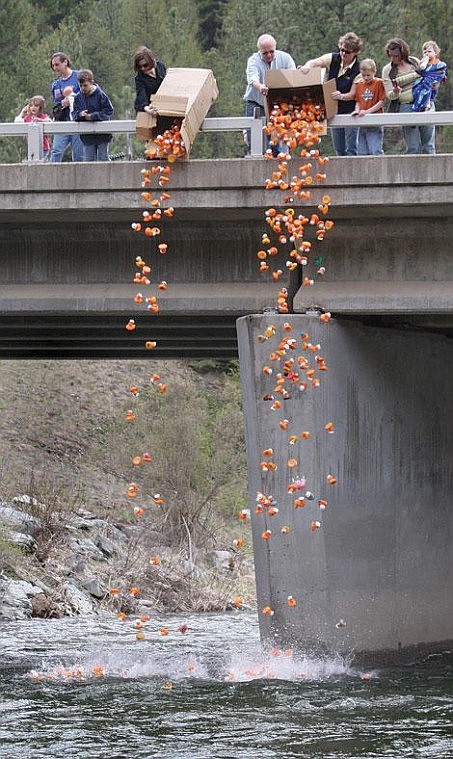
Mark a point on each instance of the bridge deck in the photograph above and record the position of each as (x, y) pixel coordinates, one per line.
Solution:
(67, 252)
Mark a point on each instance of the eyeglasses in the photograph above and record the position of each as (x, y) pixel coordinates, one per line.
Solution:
(348, 52)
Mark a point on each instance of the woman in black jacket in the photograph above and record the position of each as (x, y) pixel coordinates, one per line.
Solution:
(149, 74)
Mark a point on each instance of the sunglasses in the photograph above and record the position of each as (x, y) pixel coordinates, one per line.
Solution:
(144, 66)
(348, 52)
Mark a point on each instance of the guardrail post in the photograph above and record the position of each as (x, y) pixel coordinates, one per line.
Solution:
(256, 134)
(35, 134)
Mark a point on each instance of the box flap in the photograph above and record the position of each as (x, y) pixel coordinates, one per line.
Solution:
(276, 78)
(330, 104)
(170, 105)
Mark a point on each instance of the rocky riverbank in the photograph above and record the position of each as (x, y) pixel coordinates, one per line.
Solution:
(72, 437)
(89, 565)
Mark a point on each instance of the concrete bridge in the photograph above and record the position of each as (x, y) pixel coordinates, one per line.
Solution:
(67, 253)
(372, 571)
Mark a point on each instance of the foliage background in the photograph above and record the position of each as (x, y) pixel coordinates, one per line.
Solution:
(218, 34)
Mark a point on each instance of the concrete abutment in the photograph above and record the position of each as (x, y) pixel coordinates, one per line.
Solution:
(375, 578)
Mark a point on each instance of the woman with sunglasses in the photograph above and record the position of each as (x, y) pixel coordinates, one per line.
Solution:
(149, 74)
(343, 66)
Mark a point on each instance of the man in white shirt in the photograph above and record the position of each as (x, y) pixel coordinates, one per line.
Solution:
(267, 57)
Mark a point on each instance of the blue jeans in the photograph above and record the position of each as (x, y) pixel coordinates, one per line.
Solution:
(419, 139)
(61, 142)
(96, 152)
(345, 140)
(250, 106)
(370, 140)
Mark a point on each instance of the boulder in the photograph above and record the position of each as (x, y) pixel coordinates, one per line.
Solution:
(88, 548)
(18, 519)
(78, 601)
(25, 542)
(16, 598)
(45, 607)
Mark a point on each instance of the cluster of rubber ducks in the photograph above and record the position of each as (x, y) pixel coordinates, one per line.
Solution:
(296, 123)
(296, 128)
(294, 364)
(169, 145)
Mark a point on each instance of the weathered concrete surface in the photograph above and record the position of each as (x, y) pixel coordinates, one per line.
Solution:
(382, 559)
(421, 185)
(67, 251)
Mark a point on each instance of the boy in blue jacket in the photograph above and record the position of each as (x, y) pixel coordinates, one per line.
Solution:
(92, 104)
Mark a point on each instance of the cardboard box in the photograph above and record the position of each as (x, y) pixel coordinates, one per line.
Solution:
(292, 86)
(145, 126)
(185, 96)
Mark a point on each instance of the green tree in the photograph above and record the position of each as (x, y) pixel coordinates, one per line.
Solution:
(210, 13)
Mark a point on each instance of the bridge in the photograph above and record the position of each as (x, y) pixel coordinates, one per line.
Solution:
(67, 253)
(371, 572)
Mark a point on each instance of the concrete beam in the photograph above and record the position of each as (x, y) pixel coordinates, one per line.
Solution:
(233, 188)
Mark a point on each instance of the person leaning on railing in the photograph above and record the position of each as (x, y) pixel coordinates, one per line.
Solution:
(149, 75)
(399, 76)
(258, 64)
(343, 66)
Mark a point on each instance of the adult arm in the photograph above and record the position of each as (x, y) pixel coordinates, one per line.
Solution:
(337, 95)
(254, 74)
(323, 61)
(141, 98)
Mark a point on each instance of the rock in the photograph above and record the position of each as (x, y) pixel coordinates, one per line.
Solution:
(221, 559)
(19, 519)
(87, 548)
(79, 602)
(105, 545)
(23, 541)
(191, 569)
(92, 585)
(28, 500)
(44, 607)
(15, 598)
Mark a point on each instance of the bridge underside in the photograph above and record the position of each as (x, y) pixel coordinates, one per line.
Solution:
(103, 336)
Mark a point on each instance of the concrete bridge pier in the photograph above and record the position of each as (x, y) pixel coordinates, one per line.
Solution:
(371, 573)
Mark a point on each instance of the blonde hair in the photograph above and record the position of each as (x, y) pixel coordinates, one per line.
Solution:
(368, 65)
(432, 44)
(352, 42)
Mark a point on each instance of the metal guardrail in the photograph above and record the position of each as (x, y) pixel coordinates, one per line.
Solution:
(34, 131)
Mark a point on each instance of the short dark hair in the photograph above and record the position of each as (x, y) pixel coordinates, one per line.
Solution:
(85, 75)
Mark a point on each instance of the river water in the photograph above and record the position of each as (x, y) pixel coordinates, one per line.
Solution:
(89, 689)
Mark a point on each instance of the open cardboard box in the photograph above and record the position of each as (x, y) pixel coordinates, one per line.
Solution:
(185, 96)
(292, 86)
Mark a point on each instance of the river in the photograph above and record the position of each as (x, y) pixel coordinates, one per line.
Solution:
(88, 689)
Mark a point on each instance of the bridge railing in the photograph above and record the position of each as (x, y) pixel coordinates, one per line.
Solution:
(33, 132)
